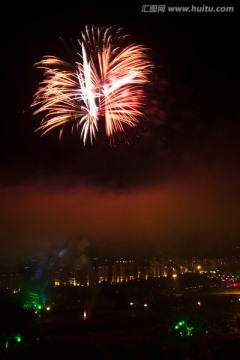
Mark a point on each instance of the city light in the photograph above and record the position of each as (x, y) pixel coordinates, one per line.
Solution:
(199, 268)
(183, 328)
(18, 338)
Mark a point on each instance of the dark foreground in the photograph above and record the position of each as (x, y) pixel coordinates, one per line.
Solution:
(119, 335)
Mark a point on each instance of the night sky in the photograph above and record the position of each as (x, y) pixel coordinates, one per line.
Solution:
(173, 189)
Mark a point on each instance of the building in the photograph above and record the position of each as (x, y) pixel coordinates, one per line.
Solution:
(124, 271)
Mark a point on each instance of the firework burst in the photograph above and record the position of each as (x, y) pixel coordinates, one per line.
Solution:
(104, 86)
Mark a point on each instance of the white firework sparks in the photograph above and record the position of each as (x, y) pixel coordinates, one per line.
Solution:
(106, 84)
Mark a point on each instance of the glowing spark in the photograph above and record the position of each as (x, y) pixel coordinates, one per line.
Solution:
(105, 85)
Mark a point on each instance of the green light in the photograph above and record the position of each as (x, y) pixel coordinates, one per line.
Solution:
(185, 329)
(181, 323)
(18, 338)
(189, 328)
(6, 345)
(32, 300)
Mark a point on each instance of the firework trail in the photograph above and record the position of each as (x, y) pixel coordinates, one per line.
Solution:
(105, 86)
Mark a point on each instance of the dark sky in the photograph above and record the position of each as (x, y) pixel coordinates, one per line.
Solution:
(174, 188)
